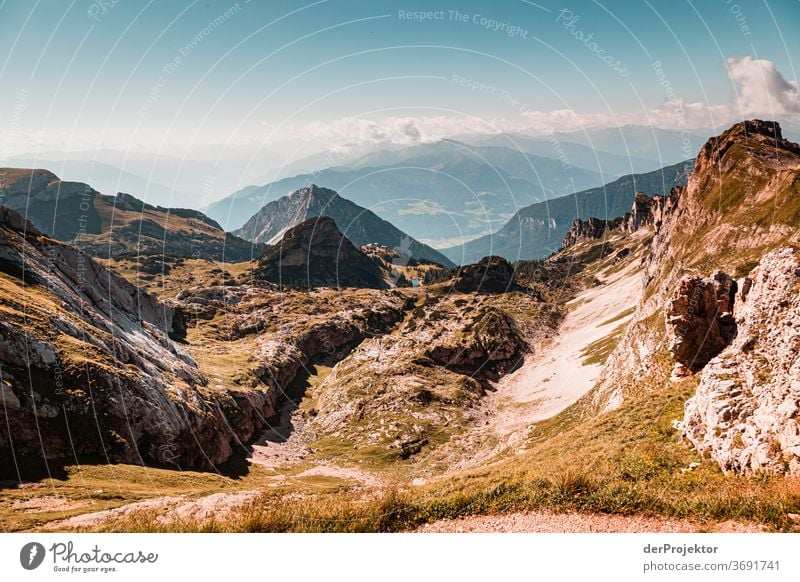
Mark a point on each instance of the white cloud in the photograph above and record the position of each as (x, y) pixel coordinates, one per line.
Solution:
(397, 130)
(565, 120)
(761, 89)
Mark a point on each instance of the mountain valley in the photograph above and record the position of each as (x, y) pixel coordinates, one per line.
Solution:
(629, 351)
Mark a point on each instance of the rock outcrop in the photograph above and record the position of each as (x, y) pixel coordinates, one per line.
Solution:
(88, 359)
(316, 254)
(746, 411)
(536, 230)
(699, 320)
(88, 366)
(489, 275)
(646, 211)
(490, 345)
(742, 200)
(409, 391)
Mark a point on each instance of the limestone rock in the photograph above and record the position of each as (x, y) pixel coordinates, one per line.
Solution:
(746, 412)
(316, 254)
(359, 225)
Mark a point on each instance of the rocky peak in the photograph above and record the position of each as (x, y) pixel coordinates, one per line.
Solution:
(590, 229)
(316, 254)
(22, 180)
(358, 224)
(489, 275)
(645, 211)
(744, 146)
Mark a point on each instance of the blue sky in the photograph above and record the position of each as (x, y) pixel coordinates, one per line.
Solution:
(148, 75)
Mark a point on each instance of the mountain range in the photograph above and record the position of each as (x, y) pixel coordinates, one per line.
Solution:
(537, 230)
(657, 350)
(435, 192)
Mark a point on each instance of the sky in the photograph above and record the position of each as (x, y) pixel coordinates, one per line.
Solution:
(295, 76)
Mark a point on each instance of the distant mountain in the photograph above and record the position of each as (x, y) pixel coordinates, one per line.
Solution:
(434, 192)
(168, 178)
(539, 229)
(358, 224)
(342, 156)
(665, 146)
(573, 154)
(116, 226)
(103, 177)
(315, 253)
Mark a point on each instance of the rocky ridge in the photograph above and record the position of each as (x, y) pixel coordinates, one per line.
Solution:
(316, 254)
(120, 226)
(646, 211)
(742, 201)
(537, 230)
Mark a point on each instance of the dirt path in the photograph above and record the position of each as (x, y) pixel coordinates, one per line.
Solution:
(549, 522)
(170, 509)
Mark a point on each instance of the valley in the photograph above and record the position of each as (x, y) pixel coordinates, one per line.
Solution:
(331, 373)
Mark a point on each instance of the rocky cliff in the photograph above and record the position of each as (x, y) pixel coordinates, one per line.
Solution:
(746, 411)
(88, 364)
(646, 211)
(742, 202)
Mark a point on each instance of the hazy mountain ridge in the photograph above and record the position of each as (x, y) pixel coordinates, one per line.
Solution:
(434, 192)
(116, 226)
(537, 230)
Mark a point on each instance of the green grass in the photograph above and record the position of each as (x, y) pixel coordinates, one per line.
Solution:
(628, 461)
(620, 316)
(597, 352)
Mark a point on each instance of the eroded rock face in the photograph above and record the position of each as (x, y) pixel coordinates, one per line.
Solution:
(646, 211)
(746, 412)
(410, 390)
(88, 365)
(490, 345)
(699, 320)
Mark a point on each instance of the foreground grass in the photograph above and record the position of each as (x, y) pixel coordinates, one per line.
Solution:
(629, 461)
